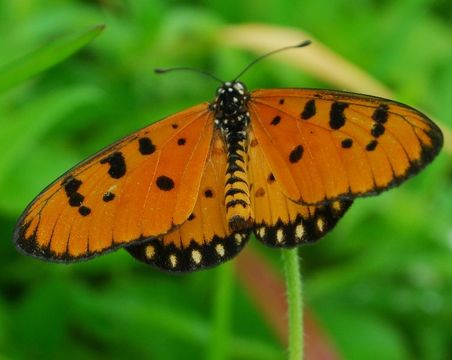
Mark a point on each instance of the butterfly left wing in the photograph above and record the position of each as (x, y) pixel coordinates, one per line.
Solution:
(325, 145)
(205, 239)
(142, 186)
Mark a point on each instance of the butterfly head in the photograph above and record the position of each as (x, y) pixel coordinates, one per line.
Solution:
(231, 100)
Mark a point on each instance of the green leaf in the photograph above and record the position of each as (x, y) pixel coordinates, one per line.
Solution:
(43, 58)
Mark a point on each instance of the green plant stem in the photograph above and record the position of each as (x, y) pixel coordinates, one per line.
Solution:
(294, 303)
(222, 307)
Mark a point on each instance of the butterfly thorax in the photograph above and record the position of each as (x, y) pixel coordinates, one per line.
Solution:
(230, 106)
(232, 119)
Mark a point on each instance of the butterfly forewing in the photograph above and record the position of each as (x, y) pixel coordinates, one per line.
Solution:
(205, 239)
(325, 145)
(143, 186)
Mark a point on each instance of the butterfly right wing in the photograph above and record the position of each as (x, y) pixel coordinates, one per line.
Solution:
(325, 145)
(205, 239)
(142, 186)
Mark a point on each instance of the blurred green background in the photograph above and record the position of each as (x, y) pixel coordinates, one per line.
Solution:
(380, 285)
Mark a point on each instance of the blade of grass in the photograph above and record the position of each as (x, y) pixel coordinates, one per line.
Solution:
(43, 58)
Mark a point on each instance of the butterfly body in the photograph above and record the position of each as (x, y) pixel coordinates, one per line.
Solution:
(232, 118)
(186, 192)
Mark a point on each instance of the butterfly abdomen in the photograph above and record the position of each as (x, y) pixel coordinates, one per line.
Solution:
(232, 118)
(237, 192)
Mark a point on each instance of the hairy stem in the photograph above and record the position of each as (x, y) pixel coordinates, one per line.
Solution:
(294, 303)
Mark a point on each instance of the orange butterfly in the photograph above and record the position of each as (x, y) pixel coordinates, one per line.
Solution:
(185, 193)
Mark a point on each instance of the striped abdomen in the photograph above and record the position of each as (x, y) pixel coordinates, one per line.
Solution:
(237, 192)
(233, 119)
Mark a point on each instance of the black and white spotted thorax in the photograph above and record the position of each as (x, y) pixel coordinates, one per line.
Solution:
(231, 108)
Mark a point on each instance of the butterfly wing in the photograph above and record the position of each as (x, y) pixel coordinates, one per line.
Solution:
(324, 145)
(205, 239)
(280, 222)
(142, 186)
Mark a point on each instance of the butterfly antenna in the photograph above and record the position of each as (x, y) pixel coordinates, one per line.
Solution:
(205, 73)
(303, 44)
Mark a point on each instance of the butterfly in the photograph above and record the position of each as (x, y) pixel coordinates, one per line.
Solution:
(186, 192)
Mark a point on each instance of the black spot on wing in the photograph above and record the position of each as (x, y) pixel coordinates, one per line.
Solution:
(380, 114)
(117, 165)
(208, 193)
(276, 120)
(337, 116)
(296, 154)
(347, 143)
(71, 187)
(84, 210)
(309, 110)
(146, 147)
(181, 141)
(108, 196)
(76, 199)
(271, 178)
(372, 145)
(377, 130)
(165, 183)
(259, 192)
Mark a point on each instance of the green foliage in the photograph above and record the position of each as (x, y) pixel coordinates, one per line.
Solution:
(380, 283)
(43, 58)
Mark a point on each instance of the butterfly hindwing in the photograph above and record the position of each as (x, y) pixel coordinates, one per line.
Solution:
(326, 145)
(279, 221)
(205, 239)
(142, 186)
